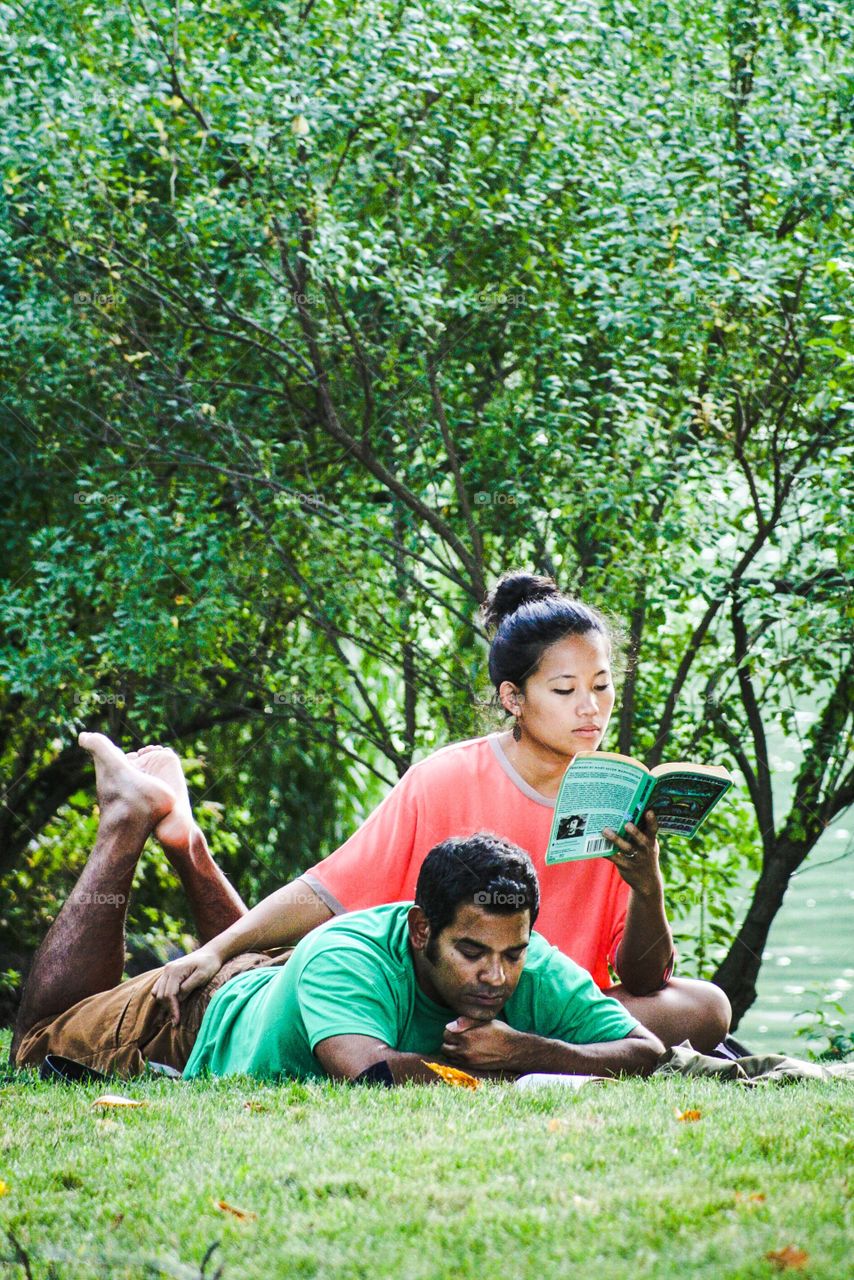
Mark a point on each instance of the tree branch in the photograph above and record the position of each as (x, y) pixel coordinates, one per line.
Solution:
(363, 453)
(761, 794)
(459, 483)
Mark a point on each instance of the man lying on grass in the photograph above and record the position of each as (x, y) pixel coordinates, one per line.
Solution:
(457, 977)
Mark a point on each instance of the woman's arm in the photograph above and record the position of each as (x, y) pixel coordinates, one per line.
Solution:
(279, 920)
(368, 869)
(646, 948)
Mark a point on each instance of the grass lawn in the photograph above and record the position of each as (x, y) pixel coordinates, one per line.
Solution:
(421, 1182)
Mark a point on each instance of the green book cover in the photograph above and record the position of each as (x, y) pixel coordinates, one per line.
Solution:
(605, 789)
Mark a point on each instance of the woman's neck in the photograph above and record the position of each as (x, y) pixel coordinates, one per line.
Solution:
(541, 768)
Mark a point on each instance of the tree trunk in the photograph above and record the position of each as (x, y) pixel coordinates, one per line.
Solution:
(738, 972)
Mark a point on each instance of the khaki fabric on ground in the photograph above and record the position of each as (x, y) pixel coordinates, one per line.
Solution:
(757, 1069)
(120, 1030)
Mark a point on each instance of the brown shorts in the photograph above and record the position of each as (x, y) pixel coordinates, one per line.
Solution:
(120, 1030)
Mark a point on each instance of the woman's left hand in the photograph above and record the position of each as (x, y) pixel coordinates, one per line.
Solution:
(636, 853)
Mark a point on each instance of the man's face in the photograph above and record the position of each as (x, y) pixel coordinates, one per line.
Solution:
(473, 966)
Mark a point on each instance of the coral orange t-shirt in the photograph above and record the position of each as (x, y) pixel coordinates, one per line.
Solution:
(467, 787)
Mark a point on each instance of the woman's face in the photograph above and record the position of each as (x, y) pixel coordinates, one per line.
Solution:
(568, 701)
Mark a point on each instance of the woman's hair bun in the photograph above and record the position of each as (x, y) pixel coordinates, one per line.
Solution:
(511, 592)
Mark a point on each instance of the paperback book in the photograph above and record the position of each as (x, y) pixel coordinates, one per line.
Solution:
(606, 789)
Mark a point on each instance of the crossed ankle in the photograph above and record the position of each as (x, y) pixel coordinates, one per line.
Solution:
(191, 847)
(122, 811)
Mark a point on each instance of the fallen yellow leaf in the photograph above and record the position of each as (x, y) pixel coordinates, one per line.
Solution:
(554, 1126)
(788, 1259)
(689, 1115)
(242, 1215)
(4, 1188)
(116, 1100)
(582, 1202)
(461, 1079)
(753, 1197)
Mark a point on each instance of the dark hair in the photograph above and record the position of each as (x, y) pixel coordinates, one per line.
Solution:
(481, 869)
(528, 613)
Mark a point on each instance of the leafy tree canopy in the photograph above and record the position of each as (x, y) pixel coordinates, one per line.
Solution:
(316, 317)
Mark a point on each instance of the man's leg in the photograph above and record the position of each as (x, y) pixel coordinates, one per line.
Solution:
(215, 904)
(684, 1009)
(84, 951)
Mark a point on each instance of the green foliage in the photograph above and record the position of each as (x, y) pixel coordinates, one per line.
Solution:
(317, 321)
(826, 1030)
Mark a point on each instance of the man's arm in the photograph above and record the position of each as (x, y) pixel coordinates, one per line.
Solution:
(347, 1057)
(280, 920)
(492, 1049)
(494, 1046)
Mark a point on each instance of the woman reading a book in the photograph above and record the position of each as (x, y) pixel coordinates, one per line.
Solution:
(550, 664)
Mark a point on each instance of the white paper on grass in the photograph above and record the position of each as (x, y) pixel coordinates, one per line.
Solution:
(541, 1080)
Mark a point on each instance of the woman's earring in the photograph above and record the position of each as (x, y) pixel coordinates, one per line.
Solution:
(517, 732)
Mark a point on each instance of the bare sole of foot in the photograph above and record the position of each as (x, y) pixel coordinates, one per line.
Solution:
(173, 831)
(120, 783)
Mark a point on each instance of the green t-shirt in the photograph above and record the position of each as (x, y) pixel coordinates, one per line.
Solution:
(354, 976)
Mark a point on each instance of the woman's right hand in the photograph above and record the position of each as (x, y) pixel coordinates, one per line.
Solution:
(179, 977)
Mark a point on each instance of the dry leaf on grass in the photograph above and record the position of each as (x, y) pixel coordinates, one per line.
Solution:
(555, 1125)
(690, 1115)
(460, 1079)
(788, 1259)
(116, 1100)
(751, 1197)
(582, 1202)
(254, 1106)
(242, 1215)
(4, 1188)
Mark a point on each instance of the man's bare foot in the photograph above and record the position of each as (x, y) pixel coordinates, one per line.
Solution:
(123, 789)
(175, 830)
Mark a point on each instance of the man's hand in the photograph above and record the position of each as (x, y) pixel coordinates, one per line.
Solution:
(482, 1046)
(495, 1049)
(179, 977)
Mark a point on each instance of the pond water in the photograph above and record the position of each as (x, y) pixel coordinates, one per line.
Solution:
(809, 960)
